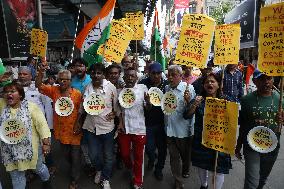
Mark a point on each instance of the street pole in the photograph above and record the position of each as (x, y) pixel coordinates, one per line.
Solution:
(76, 29)
(39, 12)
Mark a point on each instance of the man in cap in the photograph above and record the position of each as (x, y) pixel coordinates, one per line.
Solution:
(259, 108)
(154, 120)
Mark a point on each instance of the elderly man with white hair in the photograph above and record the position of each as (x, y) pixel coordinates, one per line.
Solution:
(65, 128)
(178, 129)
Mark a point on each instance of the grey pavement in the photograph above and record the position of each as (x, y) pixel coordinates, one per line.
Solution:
(120, 178)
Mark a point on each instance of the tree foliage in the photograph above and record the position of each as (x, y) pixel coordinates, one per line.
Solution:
(219, 12)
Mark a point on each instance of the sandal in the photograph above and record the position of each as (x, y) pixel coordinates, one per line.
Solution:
(73, 185)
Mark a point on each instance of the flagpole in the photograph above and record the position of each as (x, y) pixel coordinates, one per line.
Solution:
(75, 35)
(136, 42)
(156, 21)
(39, 13)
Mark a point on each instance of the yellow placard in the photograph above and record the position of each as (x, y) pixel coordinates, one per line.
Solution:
(220, 125)
(116, 45)
(38, 42)
(195, 40)
(135, 20)
(271, 40)
(227, 44)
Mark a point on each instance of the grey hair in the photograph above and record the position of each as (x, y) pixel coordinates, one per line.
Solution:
(24, 68)
(64, 72)
(175, 68)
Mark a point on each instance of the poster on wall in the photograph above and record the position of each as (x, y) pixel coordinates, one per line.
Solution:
(181, 8)
(245, 14)
(19, 18)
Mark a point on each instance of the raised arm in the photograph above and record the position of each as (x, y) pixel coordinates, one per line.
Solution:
(40, 74)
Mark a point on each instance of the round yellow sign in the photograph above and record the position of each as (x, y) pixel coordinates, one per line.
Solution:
(64, 106)
(12, 131)
(127, 98)
(169, 103)
(155, 95)
(262, 139)
(94, 104)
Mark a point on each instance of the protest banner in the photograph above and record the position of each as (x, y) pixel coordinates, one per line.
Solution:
(195, 40)
(119, 39)
(94, 104)
(169, 103)
(227, 44)
(271, 40)
(262, 139)
(12, 131)
(38, 42)
(127, 98)
(135, 20)
(64, 106)
(155, 95)
(220, 125)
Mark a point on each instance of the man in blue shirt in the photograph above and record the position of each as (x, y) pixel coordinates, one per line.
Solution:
(233, 83)
(179, 130)
(31, 64)
(81, 78)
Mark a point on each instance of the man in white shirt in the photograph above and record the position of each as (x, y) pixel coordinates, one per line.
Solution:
(100, 128)
(133, 131)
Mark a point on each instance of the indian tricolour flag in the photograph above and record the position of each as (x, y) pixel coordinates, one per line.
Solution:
(156, 50)
(95, 34)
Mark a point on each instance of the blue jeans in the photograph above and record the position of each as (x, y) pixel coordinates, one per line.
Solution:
(19, 179)
(101, 152)
(156, 139)
(258, 167)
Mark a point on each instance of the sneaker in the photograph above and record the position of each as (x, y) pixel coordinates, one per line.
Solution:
(159, 175)
(137, 187)
(105, 184)
(98, 177)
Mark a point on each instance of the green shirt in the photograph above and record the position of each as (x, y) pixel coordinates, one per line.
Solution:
(258, 111)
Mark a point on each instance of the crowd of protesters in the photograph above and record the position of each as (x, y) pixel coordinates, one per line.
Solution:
(122, 135)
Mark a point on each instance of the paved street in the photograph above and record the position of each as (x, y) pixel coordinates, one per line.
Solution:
(120, 178)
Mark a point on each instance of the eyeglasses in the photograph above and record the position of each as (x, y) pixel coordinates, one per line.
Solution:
(12, 91)
(63, 79)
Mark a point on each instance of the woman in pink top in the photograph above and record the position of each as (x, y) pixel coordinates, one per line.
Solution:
(187, 75)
